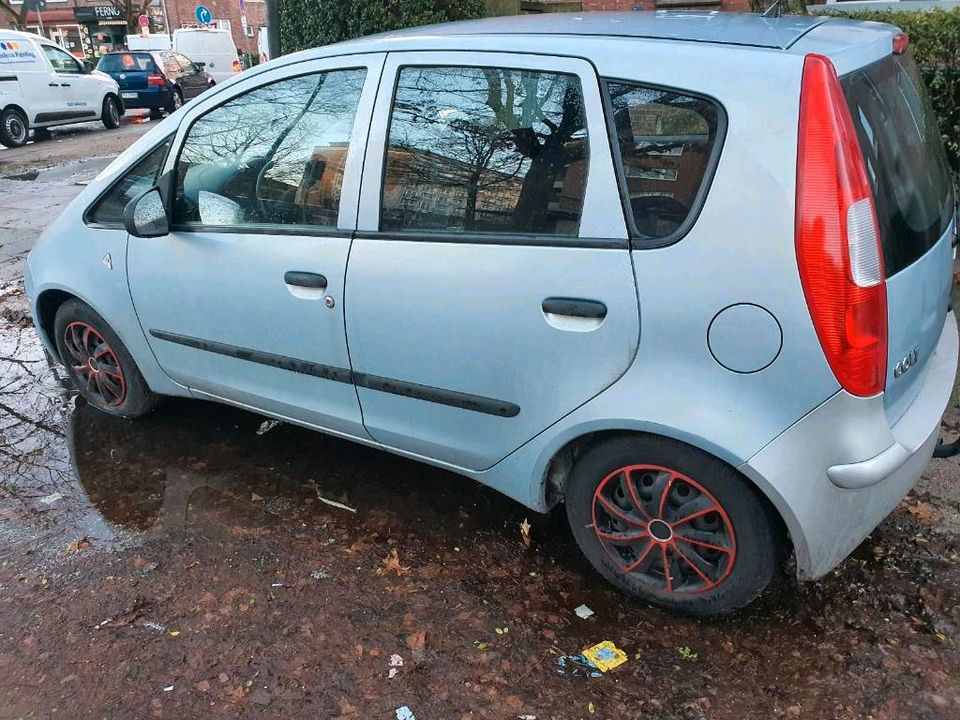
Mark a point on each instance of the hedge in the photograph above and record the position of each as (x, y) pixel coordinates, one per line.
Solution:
(309, 23)
(935, 41)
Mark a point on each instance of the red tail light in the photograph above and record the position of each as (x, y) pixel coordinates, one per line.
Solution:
(155, 80)
(837, 239)
(237, 67)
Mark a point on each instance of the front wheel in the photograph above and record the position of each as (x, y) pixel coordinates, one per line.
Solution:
(99, 363)
(110, 114)
(671, 525)
(13, 128)
(176, 101)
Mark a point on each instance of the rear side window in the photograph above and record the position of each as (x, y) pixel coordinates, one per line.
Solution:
(906, 163)
(667, 144)
(271, 156)
(127, 62)
(489, 150)
(138, 179)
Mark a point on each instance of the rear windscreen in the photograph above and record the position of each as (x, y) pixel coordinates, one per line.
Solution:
(905, 159)
(126, 62)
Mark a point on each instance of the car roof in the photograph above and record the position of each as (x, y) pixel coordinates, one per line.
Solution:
(17, 35)
(712, 27)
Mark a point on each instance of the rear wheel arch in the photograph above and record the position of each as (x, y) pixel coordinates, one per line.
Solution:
(553, 483)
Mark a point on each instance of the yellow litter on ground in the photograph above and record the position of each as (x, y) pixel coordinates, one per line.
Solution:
(605, 655)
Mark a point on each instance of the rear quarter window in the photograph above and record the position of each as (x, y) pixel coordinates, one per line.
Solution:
(667, 144)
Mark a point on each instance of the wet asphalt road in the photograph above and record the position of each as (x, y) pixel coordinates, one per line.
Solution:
(186, 566)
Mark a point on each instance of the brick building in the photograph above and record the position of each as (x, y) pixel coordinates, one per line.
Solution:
(88, 27)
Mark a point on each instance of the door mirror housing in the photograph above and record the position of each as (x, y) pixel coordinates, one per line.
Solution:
(87, 67)
(200, 65)
(145, 216)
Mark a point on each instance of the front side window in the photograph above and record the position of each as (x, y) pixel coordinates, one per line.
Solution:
(476, 149)
(138, 179)
(666, 143)
(62, 61)
(272, 156)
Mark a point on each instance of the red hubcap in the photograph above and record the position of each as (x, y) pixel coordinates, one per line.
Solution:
(663, 528)
(95, 365)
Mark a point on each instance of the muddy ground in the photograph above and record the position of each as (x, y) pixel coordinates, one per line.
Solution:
(185, 566)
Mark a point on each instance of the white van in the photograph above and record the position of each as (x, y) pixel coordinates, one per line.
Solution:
(42, 85)
(214, 48)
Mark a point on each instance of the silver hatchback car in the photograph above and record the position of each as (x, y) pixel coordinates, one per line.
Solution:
(687, 274)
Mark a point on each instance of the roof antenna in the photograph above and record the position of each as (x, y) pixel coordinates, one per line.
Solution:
(774, 10)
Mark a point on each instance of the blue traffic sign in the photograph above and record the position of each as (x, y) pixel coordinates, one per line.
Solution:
(204, 16)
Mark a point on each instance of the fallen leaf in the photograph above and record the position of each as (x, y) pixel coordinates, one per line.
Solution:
(924, 512)
(417, 641)
(78, 545)
(525, 532)
(391, 564)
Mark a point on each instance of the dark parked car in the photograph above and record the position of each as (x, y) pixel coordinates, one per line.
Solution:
(157, 80)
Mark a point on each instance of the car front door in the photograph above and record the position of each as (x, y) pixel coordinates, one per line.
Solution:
(192, 81)
(242, 300)
(79, 94)
(490, 289)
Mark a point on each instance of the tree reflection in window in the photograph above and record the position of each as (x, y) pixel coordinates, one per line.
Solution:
(272, 156)
(485, 150)
(665, 141)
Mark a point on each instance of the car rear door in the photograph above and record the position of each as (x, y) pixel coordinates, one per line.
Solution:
(242, 300)
(490, 289)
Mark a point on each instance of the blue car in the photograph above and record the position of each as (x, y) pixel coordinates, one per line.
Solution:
(160, 81)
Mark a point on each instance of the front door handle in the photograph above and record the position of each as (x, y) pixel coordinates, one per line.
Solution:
(305, 279)
(575, 307)
(64, 84)
(54, 84)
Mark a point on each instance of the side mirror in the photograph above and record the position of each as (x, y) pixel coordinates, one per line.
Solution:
(87, 67)
(200, 65)
(145, 216)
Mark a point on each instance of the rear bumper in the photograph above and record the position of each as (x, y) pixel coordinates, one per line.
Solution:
(147, 100)
(836, 473)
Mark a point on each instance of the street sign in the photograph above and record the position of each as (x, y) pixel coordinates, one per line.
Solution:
(204, 16)
(143, 20)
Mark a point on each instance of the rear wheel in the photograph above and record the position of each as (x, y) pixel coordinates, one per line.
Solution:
(671, 525)
(110, 114)
(99, 363)
(13, 128)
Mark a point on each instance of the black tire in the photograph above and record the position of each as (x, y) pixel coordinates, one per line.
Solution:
(40, 134)
(735, 541)
(99, 363)
(14, 128)
(156, 114)
(176, 101)
(110, 112)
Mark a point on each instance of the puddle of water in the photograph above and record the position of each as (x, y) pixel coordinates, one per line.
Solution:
(227, 511)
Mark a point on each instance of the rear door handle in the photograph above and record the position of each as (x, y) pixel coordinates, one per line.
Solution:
(54, 84)
(64, 84)
(575, 307)
(305, 279)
